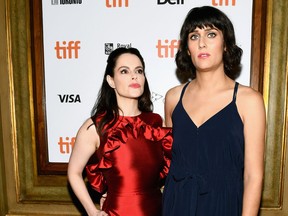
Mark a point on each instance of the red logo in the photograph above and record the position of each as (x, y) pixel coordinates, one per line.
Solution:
(220, 2)
(68, 49)
(117, 3)
(65, 147)
(166, 48)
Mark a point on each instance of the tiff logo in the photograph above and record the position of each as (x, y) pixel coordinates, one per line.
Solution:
(220, 2)
(167, 48)
(67, 50)
(117, 3)
(65, 147)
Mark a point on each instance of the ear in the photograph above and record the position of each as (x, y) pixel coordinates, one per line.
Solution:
(110, 81)
(188, 52)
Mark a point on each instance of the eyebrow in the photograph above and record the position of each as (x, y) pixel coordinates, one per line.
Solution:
(124, 66)
(205, 29)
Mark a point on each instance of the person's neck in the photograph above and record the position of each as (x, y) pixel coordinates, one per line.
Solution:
(129, 113)
(129, 108)
(210, 81)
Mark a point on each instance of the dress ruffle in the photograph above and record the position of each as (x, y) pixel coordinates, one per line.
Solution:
(117, 136)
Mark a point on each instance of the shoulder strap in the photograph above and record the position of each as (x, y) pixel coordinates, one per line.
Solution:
(183, 90)
(235, 91)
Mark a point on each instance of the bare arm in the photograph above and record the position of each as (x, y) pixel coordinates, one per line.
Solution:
(87, 141)
(253, 115)
(171, 99)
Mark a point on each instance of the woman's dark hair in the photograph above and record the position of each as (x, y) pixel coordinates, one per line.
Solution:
(201, 17)
(106, 106)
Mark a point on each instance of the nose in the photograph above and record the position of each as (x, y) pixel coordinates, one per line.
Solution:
(202, 43)
(134, 76)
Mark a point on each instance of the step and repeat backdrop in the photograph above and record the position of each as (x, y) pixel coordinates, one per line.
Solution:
(80, 34)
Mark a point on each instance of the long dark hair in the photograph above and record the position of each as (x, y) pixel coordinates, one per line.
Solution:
(207, 16)
(106, 107)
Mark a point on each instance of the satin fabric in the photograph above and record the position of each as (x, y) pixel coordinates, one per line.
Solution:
(131, 161)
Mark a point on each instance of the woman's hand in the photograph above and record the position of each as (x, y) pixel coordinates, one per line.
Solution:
(102, 200)
(101, 213)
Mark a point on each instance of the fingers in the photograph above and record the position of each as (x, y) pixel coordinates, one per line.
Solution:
(102, 200)
(102, 213)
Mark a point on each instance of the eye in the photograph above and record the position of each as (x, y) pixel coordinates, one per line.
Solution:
(194, 36)
(211, 35)
(124, 71)
(140, 71)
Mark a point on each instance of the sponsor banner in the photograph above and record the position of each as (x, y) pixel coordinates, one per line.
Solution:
(80, 34)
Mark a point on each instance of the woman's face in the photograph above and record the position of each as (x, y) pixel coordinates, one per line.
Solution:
(128, 81)
(206, 47)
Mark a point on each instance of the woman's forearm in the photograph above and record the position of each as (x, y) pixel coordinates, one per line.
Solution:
(78, 185)
(252, 196)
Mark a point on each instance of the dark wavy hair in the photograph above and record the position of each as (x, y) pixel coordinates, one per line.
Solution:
(207, 16)
(106, 108)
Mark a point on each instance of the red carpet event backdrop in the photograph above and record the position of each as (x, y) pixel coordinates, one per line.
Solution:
(80, 34)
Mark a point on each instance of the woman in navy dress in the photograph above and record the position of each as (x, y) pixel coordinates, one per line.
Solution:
(218, 125)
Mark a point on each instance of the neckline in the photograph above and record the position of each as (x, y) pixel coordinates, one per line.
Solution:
(215, 114)
(208, 119)
(120, 116)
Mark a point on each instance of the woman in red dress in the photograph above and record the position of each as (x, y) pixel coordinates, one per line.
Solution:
(127, 141)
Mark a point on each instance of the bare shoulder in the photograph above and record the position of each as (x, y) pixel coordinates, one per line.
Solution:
(174, 93)
(88, 132)
(88, 125)
(249, 102)
(248, 95)
(171, 99)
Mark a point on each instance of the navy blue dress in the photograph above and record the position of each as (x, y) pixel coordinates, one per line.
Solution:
(206, 173)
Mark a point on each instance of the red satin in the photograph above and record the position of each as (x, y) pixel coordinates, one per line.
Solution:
(132, 160)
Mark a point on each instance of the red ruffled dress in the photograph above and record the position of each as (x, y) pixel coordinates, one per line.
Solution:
(131, 161)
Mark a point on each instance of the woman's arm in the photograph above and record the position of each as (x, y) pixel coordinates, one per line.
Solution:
(254, 119)
(87, 141)
(171, 99)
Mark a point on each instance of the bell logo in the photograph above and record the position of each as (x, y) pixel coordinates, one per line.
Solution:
(67, 49)
(220, 2)
(117, 3)
(171, 2)
(166, 48)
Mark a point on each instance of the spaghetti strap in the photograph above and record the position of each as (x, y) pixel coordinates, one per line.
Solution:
(183, 90)
(235, 91)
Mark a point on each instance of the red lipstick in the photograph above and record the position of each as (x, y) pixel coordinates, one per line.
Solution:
(135, 85)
